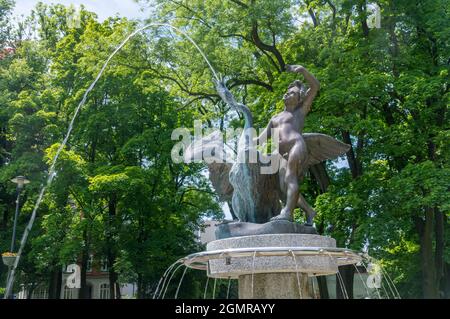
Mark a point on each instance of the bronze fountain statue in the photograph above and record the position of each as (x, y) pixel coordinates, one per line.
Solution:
(256, 198)
(269, 254)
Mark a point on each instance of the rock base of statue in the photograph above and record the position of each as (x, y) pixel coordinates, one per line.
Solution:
(283, 274)
(238, 229)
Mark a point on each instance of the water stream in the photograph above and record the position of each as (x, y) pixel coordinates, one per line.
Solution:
(313, 287)
(369, 264)
(206, 287)
(253, 273)
(385, 275)
(170, 279)
(163, 277)
(297, 274)
(342, 284)
(181, 280)
(166, 276)
(362, 280)
(228, 288)
(376, 289)
(214, 289)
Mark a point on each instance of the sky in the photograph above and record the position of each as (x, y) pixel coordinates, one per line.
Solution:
(103, 8)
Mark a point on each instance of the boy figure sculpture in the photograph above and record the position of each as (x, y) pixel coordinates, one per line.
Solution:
(292, 145)
(300, 151)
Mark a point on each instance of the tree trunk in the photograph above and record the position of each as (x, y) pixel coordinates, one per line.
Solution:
(323, 287)
(362, 17)
(118, 294)
(347, 273)
(439, 255)
(320, 175)
(110, 248)
(30, 291)
(54, 289)
(425, 229)
(112, 276)
(140, 289)
(351, 157)
(445, 283)
(84, 294)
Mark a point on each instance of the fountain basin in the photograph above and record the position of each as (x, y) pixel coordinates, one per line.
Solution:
(315, 263)
(272, 265)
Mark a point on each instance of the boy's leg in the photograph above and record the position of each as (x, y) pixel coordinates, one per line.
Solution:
(296, 155)
(309, 211)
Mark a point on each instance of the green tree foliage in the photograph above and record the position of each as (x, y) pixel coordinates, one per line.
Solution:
(118, 195)
(114, 179)
(383, 90)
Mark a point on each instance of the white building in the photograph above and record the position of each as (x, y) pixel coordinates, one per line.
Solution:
(97, 281)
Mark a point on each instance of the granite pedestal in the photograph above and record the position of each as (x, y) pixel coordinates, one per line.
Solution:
(272, 276)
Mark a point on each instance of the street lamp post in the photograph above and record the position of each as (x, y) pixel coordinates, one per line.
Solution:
(20, 181)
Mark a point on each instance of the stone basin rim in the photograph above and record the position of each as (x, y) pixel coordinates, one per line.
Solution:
(297, 235)
(200, 260)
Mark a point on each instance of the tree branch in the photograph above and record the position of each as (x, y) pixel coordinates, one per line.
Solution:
(312, 14)
(361, 13)
(271, 60)
(351, 158)
(199, 18)
(235, 82)
(265, 47)
(182, 86)
(333, 8)
(240, 3)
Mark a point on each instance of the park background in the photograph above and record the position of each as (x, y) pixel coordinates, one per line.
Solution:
(119, 197)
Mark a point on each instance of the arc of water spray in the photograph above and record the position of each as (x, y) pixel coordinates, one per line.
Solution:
(170, 279)
(228, 288)
(361, 278)
(163, 280)
(169, 276)
(52, 172)
(389, 281)
(167, 279)
(206, 287)
(339, 279)
(253, 273)
(181, 280)
(376, 289)
(214, 289)
(313, 286)
(386, 275)
(382, 285)
(296, 273)
(342, 283)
